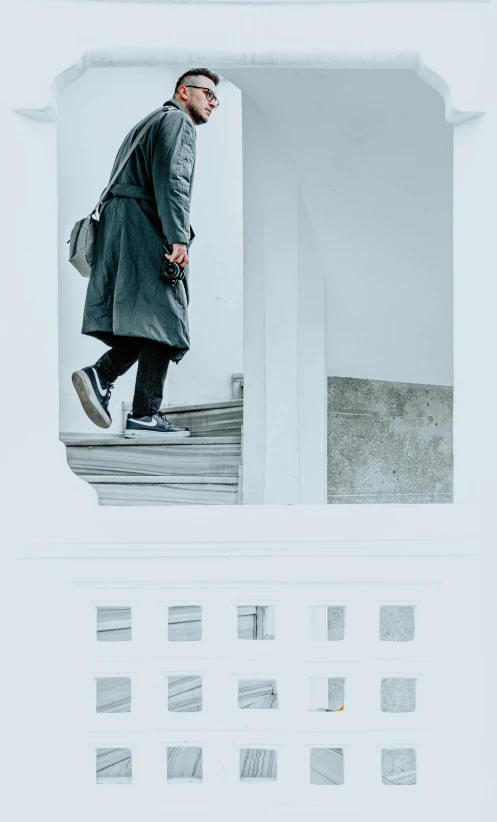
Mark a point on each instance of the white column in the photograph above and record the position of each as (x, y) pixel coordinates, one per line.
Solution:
(475, 368)
(312, 372)
(281, 333)
(271, 436)
(254, 401)
(475, 305)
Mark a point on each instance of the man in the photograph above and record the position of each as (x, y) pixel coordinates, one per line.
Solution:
(142, 317)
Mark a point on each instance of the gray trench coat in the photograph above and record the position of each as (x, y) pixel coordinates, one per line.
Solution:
(149, 203)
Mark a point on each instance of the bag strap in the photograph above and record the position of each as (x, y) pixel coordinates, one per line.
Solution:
(128, 154)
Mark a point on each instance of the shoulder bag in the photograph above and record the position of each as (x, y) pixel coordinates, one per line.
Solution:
(84, 234)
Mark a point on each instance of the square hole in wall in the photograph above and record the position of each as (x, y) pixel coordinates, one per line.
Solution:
(257, 694)
(184, 764)
(185, 623)
(255, 622)
(398, 695)
(113, 624)
(185, 693)
(257, 765)
(397, 623)
(114, 766)
(113, 695)
(327, 694)
(327, 766)
(336, 622)
(398, 766)
(327, 622)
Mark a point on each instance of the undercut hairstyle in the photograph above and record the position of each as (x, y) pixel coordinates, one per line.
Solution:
(190, 75)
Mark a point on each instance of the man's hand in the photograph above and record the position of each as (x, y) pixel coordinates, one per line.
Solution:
(179, 255)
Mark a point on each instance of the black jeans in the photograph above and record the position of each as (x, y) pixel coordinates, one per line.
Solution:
(153, 361)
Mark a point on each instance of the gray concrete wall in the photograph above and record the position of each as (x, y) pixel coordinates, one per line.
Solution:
(389, 442)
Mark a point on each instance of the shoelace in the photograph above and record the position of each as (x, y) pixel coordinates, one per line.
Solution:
(161, 417)
(110, 386)
(103, 381)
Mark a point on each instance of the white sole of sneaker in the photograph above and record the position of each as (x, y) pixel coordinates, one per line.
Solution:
(177, 435)
(89, 400)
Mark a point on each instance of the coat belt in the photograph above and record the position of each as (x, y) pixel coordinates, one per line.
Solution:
(128, 190)
(137, 193)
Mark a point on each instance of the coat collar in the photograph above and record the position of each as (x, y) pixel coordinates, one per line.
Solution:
(176, 103)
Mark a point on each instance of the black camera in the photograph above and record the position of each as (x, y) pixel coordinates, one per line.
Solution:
(171, 272)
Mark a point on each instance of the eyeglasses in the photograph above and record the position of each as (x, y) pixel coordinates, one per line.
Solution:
(208, 93)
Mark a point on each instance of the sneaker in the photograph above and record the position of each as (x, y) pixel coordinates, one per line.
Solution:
(93, 391)
(156, 424)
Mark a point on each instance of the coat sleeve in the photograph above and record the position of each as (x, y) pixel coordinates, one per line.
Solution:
(172, 175)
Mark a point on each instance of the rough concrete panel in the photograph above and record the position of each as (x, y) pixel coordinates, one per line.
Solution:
(336, 693)
(389, 442)
(398, 695)
(336, 622)
(398, 766)
(381, 499)
(397, 623)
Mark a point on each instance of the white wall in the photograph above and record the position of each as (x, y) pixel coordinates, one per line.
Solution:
(348, 222)
(95, 113)
(49, 512)
(373, 155)
(389, 205)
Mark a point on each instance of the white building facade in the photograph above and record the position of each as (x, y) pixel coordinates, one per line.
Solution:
(343, 210)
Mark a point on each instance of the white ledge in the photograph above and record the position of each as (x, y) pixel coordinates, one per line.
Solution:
(367, 58)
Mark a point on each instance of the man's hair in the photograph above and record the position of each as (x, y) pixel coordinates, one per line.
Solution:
(196, 72)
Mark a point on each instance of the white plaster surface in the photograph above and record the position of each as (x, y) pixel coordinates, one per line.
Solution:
(293, 555)
(372, 152)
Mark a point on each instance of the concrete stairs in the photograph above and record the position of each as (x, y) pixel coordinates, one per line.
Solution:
(204, 469)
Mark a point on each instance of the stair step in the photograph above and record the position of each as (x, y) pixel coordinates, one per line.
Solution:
(208, 459)
(164, 490)
(106, 440)
(157, 479)
(207, 419)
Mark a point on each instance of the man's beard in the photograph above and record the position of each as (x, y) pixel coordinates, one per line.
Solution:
(198, 115)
